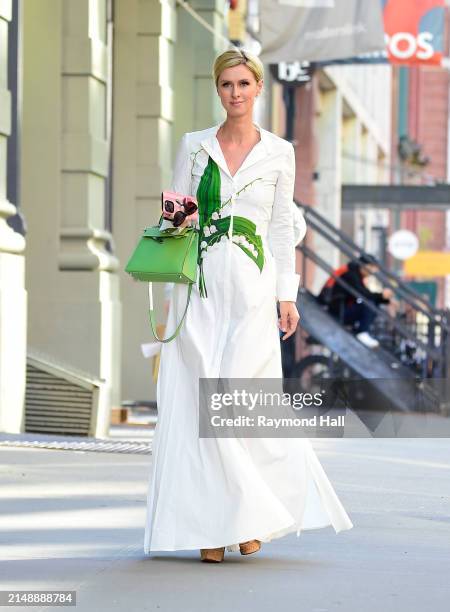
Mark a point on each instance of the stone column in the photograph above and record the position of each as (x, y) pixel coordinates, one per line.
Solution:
(85, 256)
(328, 187)
(207, 107)
(369, 152)
(163, 88)
(71, 269)
(143, 122)
(352, 167)
(196, 103)
(13, 299)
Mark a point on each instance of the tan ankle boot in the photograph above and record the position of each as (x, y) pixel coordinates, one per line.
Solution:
(212, 555)
(247, 548)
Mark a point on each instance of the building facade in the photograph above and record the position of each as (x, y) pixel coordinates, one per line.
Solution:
(94, 96)
(342, 134)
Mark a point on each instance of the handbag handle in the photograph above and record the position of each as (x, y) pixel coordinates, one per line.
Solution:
(152, 314)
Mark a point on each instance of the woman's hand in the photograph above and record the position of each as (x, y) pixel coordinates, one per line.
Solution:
(289, 318)
(186, 223)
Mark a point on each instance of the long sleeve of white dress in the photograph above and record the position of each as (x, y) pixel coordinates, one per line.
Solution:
(281, 231)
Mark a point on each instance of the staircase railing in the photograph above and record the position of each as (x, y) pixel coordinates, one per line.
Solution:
(431, 336)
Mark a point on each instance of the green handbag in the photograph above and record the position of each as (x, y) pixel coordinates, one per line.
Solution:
(165, 255)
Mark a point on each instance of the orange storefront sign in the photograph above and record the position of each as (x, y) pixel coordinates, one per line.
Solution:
(414, 31)
(428, 263)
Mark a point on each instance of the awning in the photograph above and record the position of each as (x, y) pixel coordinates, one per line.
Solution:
(354, 31)
(340, 29)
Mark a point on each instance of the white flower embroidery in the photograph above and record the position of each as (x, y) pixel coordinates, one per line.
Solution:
(203, 244)
(215, 215)
(212, 229)
(206, 230)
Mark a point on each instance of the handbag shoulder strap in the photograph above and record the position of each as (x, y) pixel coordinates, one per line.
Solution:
(152, 314)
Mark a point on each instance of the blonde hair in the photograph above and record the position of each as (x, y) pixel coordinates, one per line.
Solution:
(234, 57)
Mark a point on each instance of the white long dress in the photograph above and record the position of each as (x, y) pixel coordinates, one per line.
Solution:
(212, 492)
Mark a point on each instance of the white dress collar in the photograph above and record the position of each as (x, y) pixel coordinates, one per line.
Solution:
(259, 152)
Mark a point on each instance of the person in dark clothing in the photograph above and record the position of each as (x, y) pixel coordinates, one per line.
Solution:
(345, 306)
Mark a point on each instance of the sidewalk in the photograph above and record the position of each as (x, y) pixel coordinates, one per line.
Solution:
(75, 520)
(135, 437)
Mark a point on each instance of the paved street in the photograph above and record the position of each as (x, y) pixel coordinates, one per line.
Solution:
(75, 520)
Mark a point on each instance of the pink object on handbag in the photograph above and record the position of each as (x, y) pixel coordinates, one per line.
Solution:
(179, 208)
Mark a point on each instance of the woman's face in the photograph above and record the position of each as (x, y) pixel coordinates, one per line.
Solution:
(237, 89)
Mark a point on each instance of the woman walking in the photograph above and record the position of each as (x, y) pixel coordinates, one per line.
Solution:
(233, 493)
